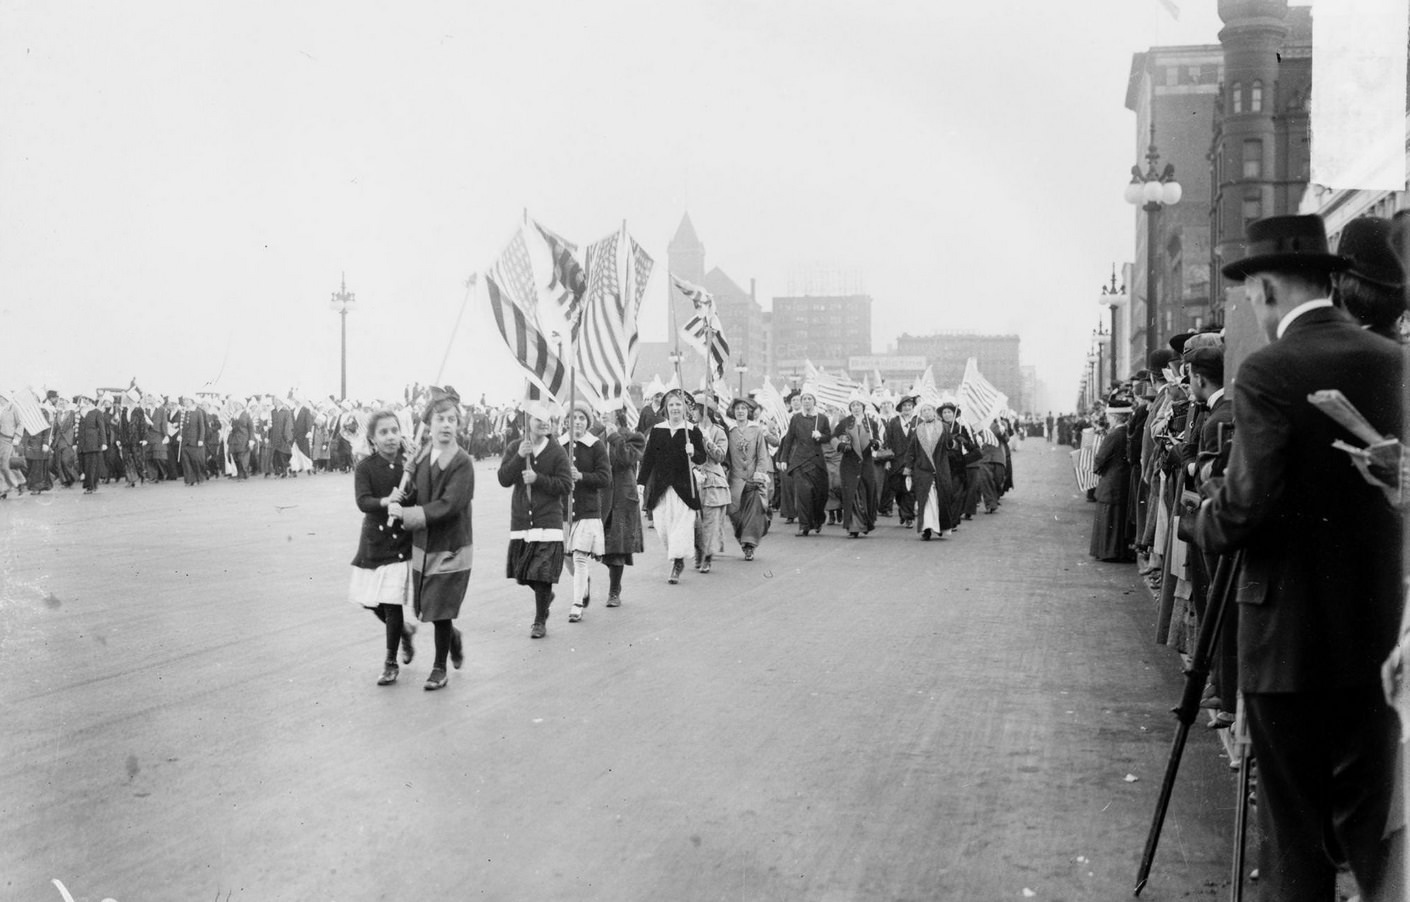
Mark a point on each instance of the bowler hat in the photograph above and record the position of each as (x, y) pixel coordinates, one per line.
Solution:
(1366, 243)
(1285, 242)
(1208, 362)
(1177, 342)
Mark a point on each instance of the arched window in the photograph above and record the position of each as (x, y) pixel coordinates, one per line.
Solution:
(1237, 93)
(1255, 99)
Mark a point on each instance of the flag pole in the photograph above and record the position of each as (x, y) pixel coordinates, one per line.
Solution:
(572, 400)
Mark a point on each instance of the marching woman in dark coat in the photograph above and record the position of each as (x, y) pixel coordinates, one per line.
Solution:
(858, 437)
(927, 462)
(437, 511)
(621, 504)
(673, 448)
(381, 577)
(1111, 531)
(787, 501)
(591, 473)
(538, 470)
(802, 453)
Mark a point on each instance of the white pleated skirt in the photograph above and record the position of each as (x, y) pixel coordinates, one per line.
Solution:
(387, 584)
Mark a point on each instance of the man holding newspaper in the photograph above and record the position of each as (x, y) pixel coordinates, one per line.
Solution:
(1319, 598)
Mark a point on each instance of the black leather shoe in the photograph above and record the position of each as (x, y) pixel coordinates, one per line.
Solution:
(677, 566)
(457, 650)
(802, 532)
(538, 630)
(749, 552)
(437, 680)
(389, 674)
(705, 565)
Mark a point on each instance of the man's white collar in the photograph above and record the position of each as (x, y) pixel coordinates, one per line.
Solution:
(1299, 310)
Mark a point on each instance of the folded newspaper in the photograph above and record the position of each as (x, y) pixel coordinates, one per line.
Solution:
(1382, 462)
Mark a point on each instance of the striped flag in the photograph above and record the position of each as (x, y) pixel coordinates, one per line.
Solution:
(925, 389)
(32, 417)
(704, 327)
(771, 404)
(829, 390)
(527, 310)
(607, 346)
(981, 401)
(566, 282)
(1084, 459)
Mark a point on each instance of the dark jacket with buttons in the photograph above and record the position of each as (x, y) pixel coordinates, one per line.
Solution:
(381, 543)
(595, 474)
(537, 506)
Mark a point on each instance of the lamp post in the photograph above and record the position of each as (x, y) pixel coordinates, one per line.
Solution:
(741, 369)
(1112, 298)
(1152, 191)
(342, 301)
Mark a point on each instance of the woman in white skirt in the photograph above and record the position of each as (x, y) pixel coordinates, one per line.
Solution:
(381, 576)
(673, 449)
(927, 462)
(591, 473)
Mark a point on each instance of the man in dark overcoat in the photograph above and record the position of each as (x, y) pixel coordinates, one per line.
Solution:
(1319, 595)
(93, 440)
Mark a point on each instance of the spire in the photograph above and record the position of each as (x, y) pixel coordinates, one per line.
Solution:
(686, 239)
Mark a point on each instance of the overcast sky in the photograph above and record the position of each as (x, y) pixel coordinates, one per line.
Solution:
(182, 184)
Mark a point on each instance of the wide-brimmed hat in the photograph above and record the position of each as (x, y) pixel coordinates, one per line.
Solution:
(913, 400)
(676, 393)
(1366, 244)
(1285, 242)
(749, 402)
(79, 399)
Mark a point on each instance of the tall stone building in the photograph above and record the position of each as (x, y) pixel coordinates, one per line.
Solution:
(1173, 92)
(947, 353)
(1261, 147)
(826, 330)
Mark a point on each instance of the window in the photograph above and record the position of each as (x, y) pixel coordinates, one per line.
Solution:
(1236, 97)
(1253, 159)
(1255, 98)
(1253, 209)
(1194, 74)
(1172, 76)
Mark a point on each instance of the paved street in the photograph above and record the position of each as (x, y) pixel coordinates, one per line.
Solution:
(189, 713)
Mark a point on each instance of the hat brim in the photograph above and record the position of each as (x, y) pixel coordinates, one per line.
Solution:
(1240, 270)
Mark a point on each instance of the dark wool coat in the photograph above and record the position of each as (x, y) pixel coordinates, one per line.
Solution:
(281, 430)
(539, 506)
(664, 464)
(595, 474)
(93, 432)
(380, 543)
(1112, 465)
(931, 467)
(621, 505)
(1319, 599)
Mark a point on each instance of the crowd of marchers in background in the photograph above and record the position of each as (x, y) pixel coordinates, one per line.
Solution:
(1275, 492)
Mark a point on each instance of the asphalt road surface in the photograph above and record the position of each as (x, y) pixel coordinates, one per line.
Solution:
(189, 712)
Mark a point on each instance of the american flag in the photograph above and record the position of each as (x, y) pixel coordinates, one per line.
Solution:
(566, 282)
(925, 388)
(829, 390)
(981, 401)
(1084, 459)
(32, 417)
(518, 304)
(607, 333)
(704, 327)
(771, 404)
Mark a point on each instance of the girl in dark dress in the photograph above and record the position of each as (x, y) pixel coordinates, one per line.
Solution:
(381, 577)
(538, 470)
(437, 511)
(621, 504)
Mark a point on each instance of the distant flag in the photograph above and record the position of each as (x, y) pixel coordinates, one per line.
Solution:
(925, 389)
(704, 327)
(980, 400)
(771, 404)
(831, 391)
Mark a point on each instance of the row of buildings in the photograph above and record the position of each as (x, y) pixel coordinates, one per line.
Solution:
(1234, 120)
(830, 330)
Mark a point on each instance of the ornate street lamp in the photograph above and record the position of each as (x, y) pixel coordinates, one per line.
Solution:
(1112, 298)
(1155, 189)
(741, 369)
(342, 301)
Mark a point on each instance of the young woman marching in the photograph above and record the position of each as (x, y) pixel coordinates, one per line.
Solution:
(749, 467)
(802, 449)
(672, 449)
(857, 438)
(537, 468)
(591, 473)
(927, 462)
(437, 511)
(381, 577)
(621, 504)
(712, 483)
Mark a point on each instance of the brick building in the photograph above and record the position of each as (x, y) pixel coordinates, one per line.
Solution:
(824, 329)
(948, 352)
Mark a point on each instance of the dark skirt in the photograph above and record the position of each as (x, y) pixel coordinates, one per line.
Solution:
(1111, 535)
(786, 506)
(751, 517)
(810, 489)
(617, 560)
(534, 562)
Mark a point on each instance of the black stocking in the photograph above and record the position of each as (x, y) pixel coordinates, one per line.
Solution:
(391, 615)
(543, 597)
(614, 579)
(444, 635)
